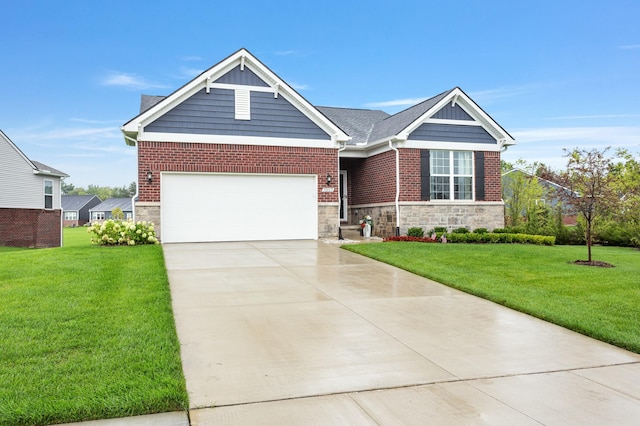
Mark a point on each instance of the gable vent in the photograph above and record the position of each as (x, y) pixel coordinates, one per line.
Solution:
(243, 104)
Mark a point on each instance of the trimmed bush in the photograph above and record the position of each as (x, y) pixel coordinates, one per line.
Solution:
(411, 238)
(480, 231)
(415, 232)
(460, 231)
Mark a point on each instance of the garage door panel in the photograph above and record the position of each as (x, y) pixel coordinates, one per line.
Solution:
(240, 207)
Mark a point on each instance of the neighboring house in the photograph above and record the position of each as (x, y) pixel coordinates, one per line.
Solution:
(103, 210)
(75, 208)
(237, 154)
(550, 195)
(30, 211)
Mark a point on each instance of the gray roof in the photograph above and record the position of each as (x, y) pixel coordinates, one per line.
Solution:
(147, 101)
(48, 169)
(365, 125)
(76, 202)
(357, 123)
(108, 205)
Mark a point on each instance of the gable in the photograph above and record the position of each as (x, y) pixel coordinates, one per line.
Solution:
(237, 101)
(214, 113)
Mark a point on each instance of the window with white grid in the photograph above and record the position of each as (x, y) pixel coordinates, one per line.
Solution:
(451, 175)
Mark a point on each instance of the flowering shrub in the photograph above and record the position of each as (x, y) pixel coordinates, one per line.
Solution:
(412, 238)
(116, 232)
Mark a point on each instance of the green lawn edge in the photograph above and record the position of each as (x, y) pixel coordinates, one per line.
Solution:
(88, 333)
(542, 281)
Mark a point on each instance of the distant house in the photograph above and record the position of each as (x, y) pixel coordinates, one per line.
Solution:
(103, 210)
(550, 195)
(75, 208)
(30, 205)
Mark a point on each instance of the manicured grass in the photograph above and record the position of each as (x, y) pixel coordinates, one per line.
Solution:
(603, 303)
(87, 333)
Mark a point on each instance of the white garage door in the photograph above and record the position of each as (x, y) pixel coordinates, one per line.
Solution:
(238, 207)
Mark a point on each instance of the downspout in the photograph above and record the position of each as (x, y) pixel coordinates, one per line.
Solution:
(397, 201)
(343, 146)
(133, 199)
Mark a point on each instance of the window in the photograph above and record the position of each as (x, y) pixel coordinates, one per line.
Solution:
(48, 194)
(97, 215)
(72, 215)
(451, 175)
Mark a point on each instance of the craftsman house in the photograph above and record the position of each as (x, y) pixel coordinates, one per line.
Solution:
(30, 211)
(237, 154)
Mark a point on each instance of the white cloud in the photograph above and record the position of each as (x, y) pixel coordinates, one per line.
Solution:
(285, 52)
(130, 81)
(190, 72)
(629, 47)
(298, 86)
(505, 92)
(396, 102)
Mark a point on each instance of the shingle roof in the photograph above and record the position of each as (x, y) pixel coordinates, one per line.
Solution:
(50, 170)
(76, 202)
(147, 101)
(108, 205)
(357, 123)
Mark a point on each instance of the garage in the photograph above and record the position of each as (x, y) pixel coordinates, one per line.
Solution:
(207, 207)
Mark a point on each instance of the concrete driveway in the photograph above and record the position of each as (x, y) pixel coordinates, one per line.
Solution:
(303, 332)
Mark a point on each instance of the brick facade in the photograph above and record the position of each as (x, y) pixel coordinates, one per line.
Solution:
(492, 177)
(160, 157)
(32, 228)
(223, 158)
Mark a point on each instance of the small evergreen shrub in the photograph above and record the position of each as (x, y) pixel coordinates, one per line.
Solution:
(440, 230)
(415, 232)
(480, 231)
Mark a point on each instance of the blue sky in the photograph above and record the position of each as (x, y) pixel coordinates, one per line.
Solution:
(555, 74)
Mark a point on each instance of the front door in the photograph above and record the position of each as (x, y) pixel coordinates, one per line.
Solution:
(343, 195)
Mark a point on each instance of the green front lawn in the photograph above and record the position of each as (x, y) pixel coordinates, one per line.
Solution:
(87, 333)
(603, 303)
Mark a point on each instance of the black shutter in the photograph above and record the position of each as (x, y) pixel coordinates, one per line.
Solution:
(479, 166)
(425, 174)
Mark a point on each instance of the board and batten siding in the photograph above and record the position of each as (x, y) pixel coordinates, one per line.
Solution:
(451, 133)
(19, 187)
(214, 114)
(243, 77)
(452, 113)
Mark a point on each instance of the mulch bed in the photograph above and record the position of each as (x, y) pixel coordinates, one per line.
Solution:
(593, 263)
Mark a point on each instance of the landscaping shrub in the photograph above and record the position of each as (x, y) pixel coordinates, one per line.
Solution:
(440, 230)
(480, 231)
(411, 238)
(460, 231)
(115, 232)
(415, 232)
(501, 238)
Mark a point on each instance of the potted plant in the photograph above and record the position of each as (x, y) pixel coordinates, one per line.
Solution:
(366, 224)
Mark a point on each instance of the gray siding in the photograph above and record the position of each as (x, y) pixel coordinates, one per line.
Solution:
(214, 114)
(455, 113)
(451, 133)
(19, 187)
(246, 77)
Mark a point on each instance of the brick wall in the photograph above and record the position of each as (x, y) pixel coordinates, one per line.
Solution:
(30, 228)
(371, 180)
(492, 180)
(225, 158)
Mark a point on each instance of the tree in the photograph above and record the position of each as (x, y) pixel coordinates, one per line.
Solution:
(589, 185)
(117, 213)
(521, 193)
(67, 188)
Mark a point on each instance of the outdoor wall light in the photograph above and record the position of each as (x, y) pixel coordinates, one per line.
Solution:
(328, 179)
(149, 176)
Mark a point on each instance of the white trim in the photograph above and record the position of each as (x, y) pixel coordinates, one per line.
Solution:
(452, 122)
(235, 140)
(452, 146)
